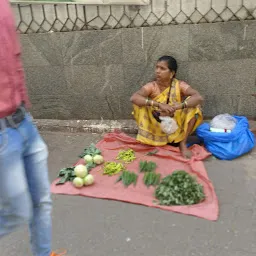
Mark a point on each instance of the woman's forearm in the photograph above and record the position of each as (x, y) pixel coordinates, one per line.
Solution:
(142, 101)
(138, 100)
(191, 102)
(194, 101)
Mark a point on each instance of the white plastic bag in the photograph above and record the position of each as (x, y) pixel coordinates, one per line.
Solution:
(168, 125)
(223, 121)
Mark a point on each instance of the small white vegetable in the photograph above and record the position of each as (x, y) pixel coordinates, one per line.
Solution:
(88, 180)
(88, 159)
(80, 171)
(78, 182)
(98, 159)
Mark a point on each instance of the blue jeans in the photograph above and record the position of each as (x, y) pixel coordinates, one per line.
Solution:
(24, 184)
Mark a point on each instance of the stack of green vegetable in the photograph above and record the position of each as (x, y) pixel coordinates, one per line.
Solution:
(92, 155)
(151, 179)
(65, 175)
(78, 175)
(147, 166)
(128, 177)
(112, 168)
(126, 155)
(82, 177)
(180, 188)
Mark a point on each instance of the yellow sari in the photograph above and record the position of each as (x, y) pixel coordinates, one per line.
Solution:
(149, 130)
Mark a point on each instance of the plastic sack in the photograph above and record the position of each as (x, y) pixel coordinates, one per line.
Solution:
(223, 121)
(228, 146)
(168, 124)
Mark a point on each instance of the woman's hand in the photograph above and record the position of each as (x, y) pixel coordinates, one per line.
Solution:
(167, 109)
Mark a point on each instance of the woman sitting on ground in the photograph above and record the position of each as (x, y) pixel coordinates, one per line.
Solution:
(168, 97)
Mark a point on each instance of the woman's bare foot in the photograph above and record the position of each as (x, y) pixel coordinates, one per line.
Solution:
(186, 153)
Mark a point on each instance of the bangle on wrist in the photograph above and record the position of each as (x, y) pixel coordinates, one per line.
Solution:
(146, 101)
(183, 105)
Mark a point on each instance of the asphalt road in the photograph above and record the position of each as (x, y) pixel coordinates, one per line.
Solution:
(94, 227)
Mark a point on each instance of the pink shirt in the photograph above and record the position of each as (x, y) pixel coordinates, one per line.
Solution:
(12, 83)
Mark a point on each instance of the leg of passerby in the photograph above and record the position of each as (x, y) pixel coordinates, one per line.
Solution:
(36, 167)
(15, 203)
(35, 161)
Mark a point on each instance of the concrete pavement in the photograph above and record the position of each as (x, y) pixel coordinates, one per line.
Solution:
(88, 227)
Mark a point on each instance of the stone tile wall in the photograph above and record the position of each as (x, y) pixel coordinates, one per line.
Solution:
(92, 74)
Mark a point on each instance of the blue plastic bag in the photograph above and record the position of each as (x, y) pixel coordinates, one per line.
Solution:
(228, 146)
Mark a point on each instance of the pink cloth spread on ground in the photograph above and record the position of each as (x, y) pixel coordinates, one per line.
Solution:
(168, 159)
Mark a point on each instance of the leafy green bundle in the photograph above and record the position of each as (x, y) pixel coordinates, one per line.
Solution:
(180, 188)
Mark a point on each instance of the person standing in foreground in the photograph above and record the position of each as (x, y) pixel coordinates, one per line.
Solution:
(24, 184)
